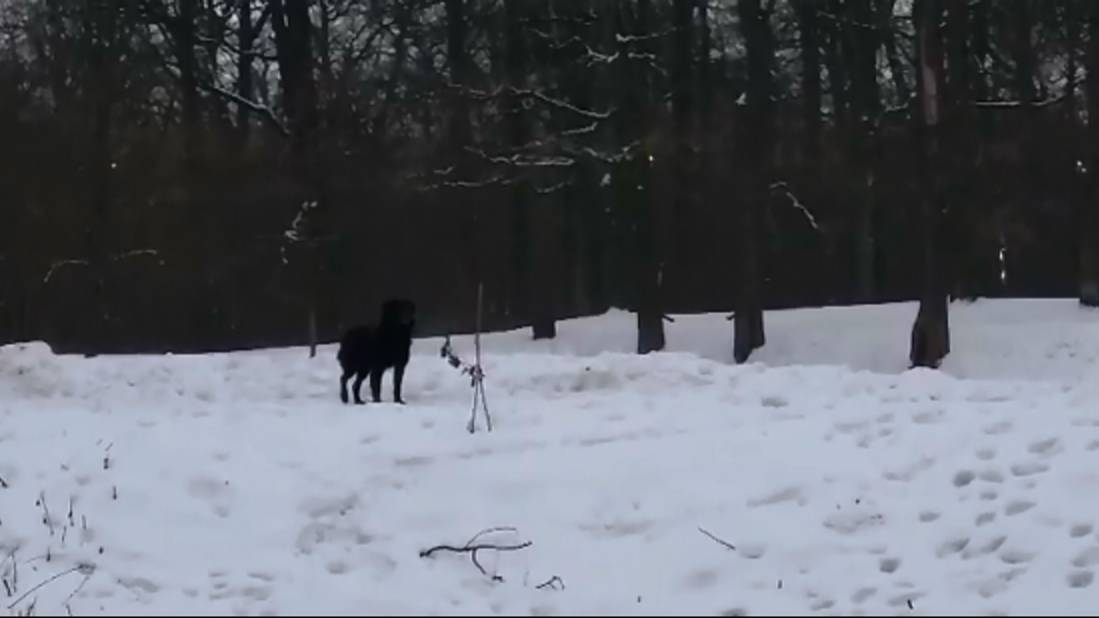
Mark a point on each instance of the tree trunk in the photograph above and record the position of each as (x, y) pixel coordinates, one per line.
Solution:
(837, 76)
(866, 107)
(293, 45)
(962, 219)
(682, 165)
(1089, 228)
(460, 136)
(931, 330)
(892, 56)
(246, 40)
(188, 73)
(632, 177)
(755, 129)
(808, 22)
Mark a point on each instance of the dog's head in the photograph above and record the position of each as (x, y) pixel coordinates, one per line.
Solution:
(399, 311)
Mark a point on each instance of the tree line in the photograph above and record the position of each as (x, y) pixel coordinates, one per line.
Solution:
(214, 174)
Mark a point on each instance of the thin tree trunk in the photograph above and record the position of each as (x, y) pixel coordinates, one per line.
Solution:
(246, 40)
(636, 186)
(754, 152)
(683, 164)
(808, 22)
(837, 76)
(931, 330)
(865, 104)
(1089, 228)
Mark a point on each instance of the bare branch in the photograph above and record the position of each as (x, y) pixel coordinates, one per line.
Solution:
(552, 583)
(724, 544)
(427, 553)
(266, 112)
(783, 187)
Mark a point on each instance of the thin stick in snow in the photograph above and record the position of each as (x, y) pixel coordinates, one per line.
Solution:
(3, 483)
(725, 544)
(46, 511)
(427, 553)
(85, 568)
(552, 583)
(477, 373)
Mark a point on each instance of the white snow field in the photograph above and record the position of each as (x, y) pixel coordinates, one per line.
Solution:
(237, 483)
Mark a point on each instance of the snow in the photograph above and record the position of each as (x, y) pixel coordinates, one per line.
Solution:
(238, 483)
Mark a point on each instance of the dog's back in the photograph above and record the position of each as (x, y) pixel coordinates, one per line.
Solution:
(355, 348)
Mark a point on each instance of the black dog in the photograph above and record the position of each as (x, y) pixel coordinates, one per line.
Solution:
(373, 349)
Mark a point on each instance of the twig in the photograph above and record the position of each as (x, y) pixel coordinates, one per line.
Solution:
(476, 372)
(3, 483)
(75, 591)
(472, 548)
(494, 577)
(724, 544)
(552, 584)
(46, 510)
(489, 531)
(56, 577)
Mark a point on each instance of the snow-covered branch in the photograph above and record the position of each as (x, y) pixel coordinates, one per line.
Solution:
(266, 112)
(522, 160)
(784, 188)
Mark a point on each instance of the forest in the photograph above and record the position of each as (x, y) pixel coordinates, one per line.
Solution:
(199, 175)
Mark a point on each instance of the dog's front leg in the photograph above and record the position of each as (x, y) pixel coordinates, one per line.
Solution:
(398, 377)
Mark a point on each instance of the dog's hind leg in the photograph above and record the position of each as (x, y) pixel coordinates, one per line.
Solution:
(398, 377)
(376, 384)
(343, 385)
(359, 377)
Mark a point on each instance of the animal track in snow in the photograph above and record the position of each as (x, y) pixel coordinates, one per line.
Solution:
(1088, 557)
(951, 547)
(1018, 506)
(1080, 579)
(1080, 530)
(1029, 468)
(1049, 446)
(990, 546)
(991, 476)
(963, 478)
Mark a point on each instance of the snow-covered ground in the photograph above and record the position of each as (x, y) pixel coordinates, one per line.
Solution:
(239, 483)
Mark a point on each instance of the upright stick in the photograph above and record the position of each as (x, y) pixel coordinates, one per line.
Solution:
(477, 372)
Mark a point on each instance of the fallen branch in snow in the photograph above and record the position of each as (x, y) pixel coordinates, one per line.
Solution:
(725, 544)
(472, 551)
(472, 547)
(85, 568)
(11, 587)
(552, 584)
(87, 576)
(3, 483)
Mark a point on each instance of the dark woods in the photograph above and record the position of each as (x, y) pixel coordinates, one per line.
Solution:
(211, 174)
